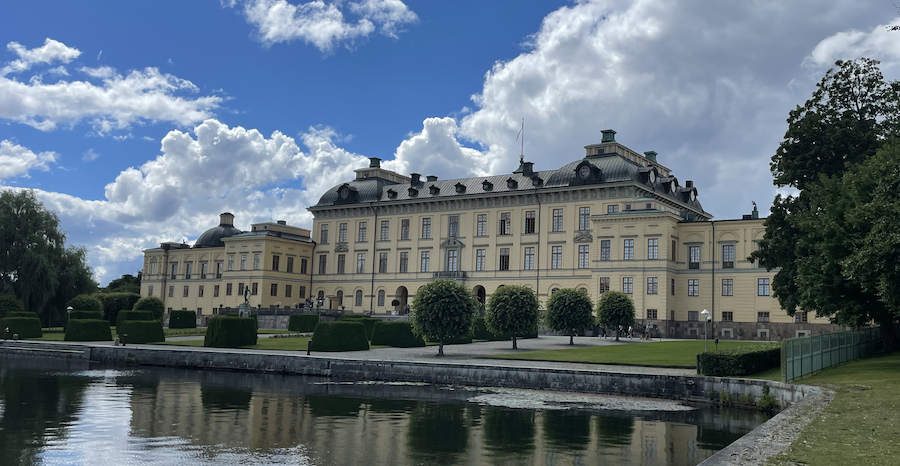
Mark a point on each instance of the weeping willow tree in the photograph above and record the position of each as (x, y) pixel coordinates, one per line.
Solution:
(35, 264)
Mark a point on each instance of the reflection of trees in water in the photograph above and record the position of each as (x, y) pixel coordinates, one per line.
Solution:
(509, 430)
(387, 406)
(711, 438)
(218, 398)
(567, 429)
(339, 406)
(614, 431)
(438, 433)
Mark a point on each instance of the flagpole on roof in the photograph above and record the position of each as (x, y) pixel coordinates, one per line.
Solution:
(522, 134)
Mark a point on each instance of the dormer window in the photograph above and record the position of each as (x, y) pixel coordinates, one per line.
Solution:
(413, 192)
(512, 184)
(460, 188)
(392, 194)
(434, 190)
(537, 182)
(487, 186)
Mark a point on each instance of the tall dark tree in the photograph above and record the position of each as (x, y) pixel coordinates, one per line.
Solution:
(127, 283)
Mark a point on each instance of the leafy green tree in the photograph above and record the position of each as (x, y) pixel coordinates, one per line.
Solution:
(127, 283)
(442, 310)
(9, 303)
(152, 304)
(84, 302)
(512, 310)
(615, 309)
(569, 310)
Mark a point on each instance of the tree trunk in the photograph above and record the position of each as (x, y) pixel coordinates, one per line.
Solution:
(572, 337)
(441, 347)
(617, 334)
(514, 342)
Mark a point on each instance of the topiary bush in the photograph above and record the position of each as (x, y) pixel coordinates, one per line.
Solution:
(23, 314)
(230, 332)
(86, 302)
(303, 323)
(743, 360)
(85, 315)
(115, 302)
(132, 315)
(141, 331)
(26, 327)
(183, 319)
(152, 304)
(88, 330)
(464, 340)
(368, 322)
(396, 334)
(9, 304)
(340, 336)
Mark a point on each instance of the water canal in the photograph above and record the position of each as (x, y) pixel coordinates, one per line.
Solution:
(56, 412)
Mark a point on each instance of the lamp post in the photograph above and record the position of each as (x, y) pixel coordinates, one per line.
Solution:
(68, 315)
(708, 318)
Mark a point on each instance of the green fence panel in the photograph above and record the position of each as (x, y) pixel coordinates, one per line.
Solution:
(805, 355)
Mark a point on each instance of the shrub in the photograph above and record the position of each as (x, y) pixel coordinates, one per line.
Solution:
(230, 332)
(368, 322)
(152, 304)
(396, 334)
(9, 304)
(115, 302)
(132, 315)
(141, 331)
(79, 314)
(513, 310)
(463, 340)
(23, 314)
(86, 302)
(183, 319)
(482, 332)
(340, 336)
(26, 327)
(88, 330)
(743, 360)
(303, 323)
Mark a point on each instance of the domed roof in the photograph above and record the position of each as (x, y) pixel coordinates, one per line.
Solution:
(212, 238)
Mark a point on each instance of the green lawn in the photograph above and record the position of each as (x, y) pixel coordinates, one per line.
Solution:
(859, 427)
(661, 354)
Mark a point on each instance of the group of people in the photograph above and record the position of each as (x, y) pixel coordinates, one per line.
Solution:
(629, 332)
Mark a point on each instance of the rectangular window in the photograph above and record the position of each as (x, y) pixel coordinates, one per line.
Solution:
(302, 292)
(728, 316)
(204, 267)
(288, 290)
(426, 261)
(361, 234)
(153, 268)
(243, 262)
(694, 257)
(150, 290)
(215, 291)
(171, 291)
(359, 298)
(672, 287)
(200, 291)
(228, 289)
(762, 316)
(652, 314)
(426, 228)
(556, 257)
(480, 255)
(290, 265)
(342, 263)
(381, 297)
(674, 251)
(801, 317)
(604, 249)
(323, 234)
(505, 224)
(557, 220)
(529, 222)
(322, 264)
(404, 262)
(303, 266)
(628, 285)
(382, 262)
(218, 270)
(273, 289)
(385, 233)
(693, 287)
(529, 258)
(186, 288)
(452, 260)
(584, 218)
(604, 284)
(342, 233)
(188, 270)
(728, 256)
(693, 316)
(628, 251)
(231, 262)
(611, 209)
(762, 287)
(256, 262)
(240, 289)
(584, 256)
(361, 263)
(481, 225)
(652, 285)
(504, 258)
(404, 229)
(727, 287)
(254, 289)
(453, 226)
(652, 249)
(276, 263)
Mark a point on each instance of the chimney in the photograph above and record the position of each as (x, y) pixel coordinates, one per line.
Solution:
(609, 135)
(431, 178)
(374, 162)
(650, 154)
(688, 184)
(226, 219)
(414, 178)
(755, 213)
(282, 222)
(528, 169)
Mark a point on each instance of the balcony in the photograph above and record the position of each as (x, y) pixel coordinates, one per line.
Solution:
(451, 275)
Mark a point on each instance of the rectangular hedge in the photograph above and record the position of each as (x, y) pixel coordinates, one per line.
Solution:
(743, 360)
(230, 331)
(25, 327)
(114, 302)
(88, 330)
(183, 319)
(303, 323)
(141, 331)
(367, 321)
(396, 334)
(85, 315)
(482, 332)
(132, 315)
(340, 336)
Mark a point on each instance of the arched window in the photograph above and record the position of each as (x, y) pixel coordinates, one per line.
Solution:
(340, 297)
(321, 295)
(381, 297)
(553, 291)
(359, 297)
(583, 290)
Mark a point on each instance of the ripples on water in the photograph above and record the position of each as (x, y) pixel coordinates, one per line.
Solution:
(68, 413)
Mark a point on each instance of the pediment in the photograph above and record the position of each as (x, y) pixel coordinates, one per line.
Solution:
(452, 243)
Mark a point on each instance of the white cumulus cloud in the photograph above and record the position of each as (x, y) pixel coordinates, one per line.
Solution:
(50, 52)
(16, 160)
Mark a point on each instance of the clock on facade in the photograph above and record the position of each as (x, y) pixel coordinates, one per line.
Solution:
(652, 176)
(584, 172)
(344, 192)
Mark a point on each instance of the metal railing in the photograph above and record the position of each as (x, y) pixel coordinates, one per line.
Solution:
(449, 274)
(806, 355)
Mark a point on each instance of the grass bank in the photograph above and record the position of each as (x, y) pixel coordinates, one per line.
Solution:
(681, 354)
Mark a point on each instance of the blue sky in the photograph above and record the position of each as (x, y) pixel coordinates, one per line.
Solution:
(138, 122)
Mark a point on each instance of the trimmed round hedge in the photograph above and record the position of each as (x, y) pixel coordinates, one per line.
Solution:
(482, 332)
(88, 330)
(141, 331)
(132, 315)
(339, 336)
(183, 319)
(396, 334)
(367, 321)
(303, 323)
(230, 332)
(26, 327)
(456, 341)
